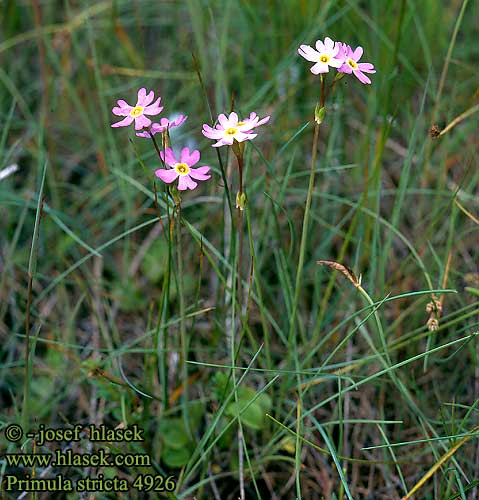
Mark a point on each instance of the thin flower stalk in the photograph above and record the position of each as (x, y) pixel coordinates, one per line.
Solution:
(233, 131)
(304, 232)
(183, 336)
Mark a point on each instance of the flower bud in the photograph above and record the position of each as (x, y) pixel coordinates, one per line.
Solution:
(238, 149)
(319, 113)
(240, 200)
(165, 139)
(175, 194)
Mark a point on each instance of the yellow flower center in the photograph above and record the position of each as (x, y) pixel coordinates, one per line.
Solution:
(136, 111)
(352, 63)
(182, 168)
(230, 131)
(240, 124)
(324, 59)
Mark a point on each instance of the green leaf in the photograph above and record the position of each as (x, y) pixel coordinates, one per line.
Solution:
(254, 415)
(173, 433)
(175, 457)
(154, 263)
(129, 297)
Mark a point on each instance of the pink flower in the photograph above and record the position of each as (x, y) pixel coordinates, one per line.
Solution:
(182, 169)
(162, 126)
(325, 55)
(230, 129)
(351, 64)
(137, 113)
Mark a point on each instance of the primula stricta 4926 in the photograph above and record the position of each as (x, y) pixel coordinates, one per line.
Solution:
(137, 113)
(182, 170)
(325, 55)
(162, 126)
(230, 129)
(351, 64)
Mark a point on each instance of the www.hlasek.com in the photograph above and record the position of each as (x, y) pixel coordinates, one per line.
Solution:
(70, 459)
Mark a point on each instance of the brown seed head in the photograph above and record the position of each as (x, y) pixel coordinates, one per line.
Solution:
(435, 131)
(432, 324)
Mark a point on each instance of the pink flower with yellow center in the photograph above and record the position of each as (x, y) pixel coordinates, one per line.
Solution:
(351, 64)
(162, 126)
(137, 113)
(230, 129)
(182, 170)
(325, 55)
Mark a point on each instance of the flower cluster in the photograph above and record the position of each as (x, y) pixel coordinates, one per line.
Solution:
(337, 55)
(228, 130)
(180, 170)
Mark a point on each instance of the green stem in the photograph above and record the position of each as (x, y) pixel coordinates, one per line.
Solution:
(304, 233)
(302, 251)
(240, 236)
(379, 326)
(156, 147)
(181, 297)
(26, 381)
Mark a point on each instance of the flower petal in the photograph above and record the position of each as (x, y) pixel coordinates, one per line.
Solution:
(361, 76)
(185, 182)
(124, 123)
(241, 136)
(192, 158)
(141, 96)
(320, 46)
(224, 141)
(153, 109)
(164, 122)
(345, 68)
(167, 176)
(341, 51)
(142, 122)
(200, 173)
(180, 119)
(336, 63)
(358, 52)
(366, 67)
(149, 98)
(122, 111)
(144, 134)
(169, 157)
(157, 128)
(328, 43)
(308, 53)
(319, 67)
(233, 119)
(263, 121)
(190, 182)
(185, 156)
(212, 133)
(224, 122)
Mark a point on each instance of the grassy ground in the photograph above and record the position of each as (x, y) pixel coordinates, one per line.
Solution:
(292, 384)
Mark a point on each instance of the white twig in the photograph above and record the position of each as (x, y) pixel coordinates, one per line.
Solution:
(11, 169)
